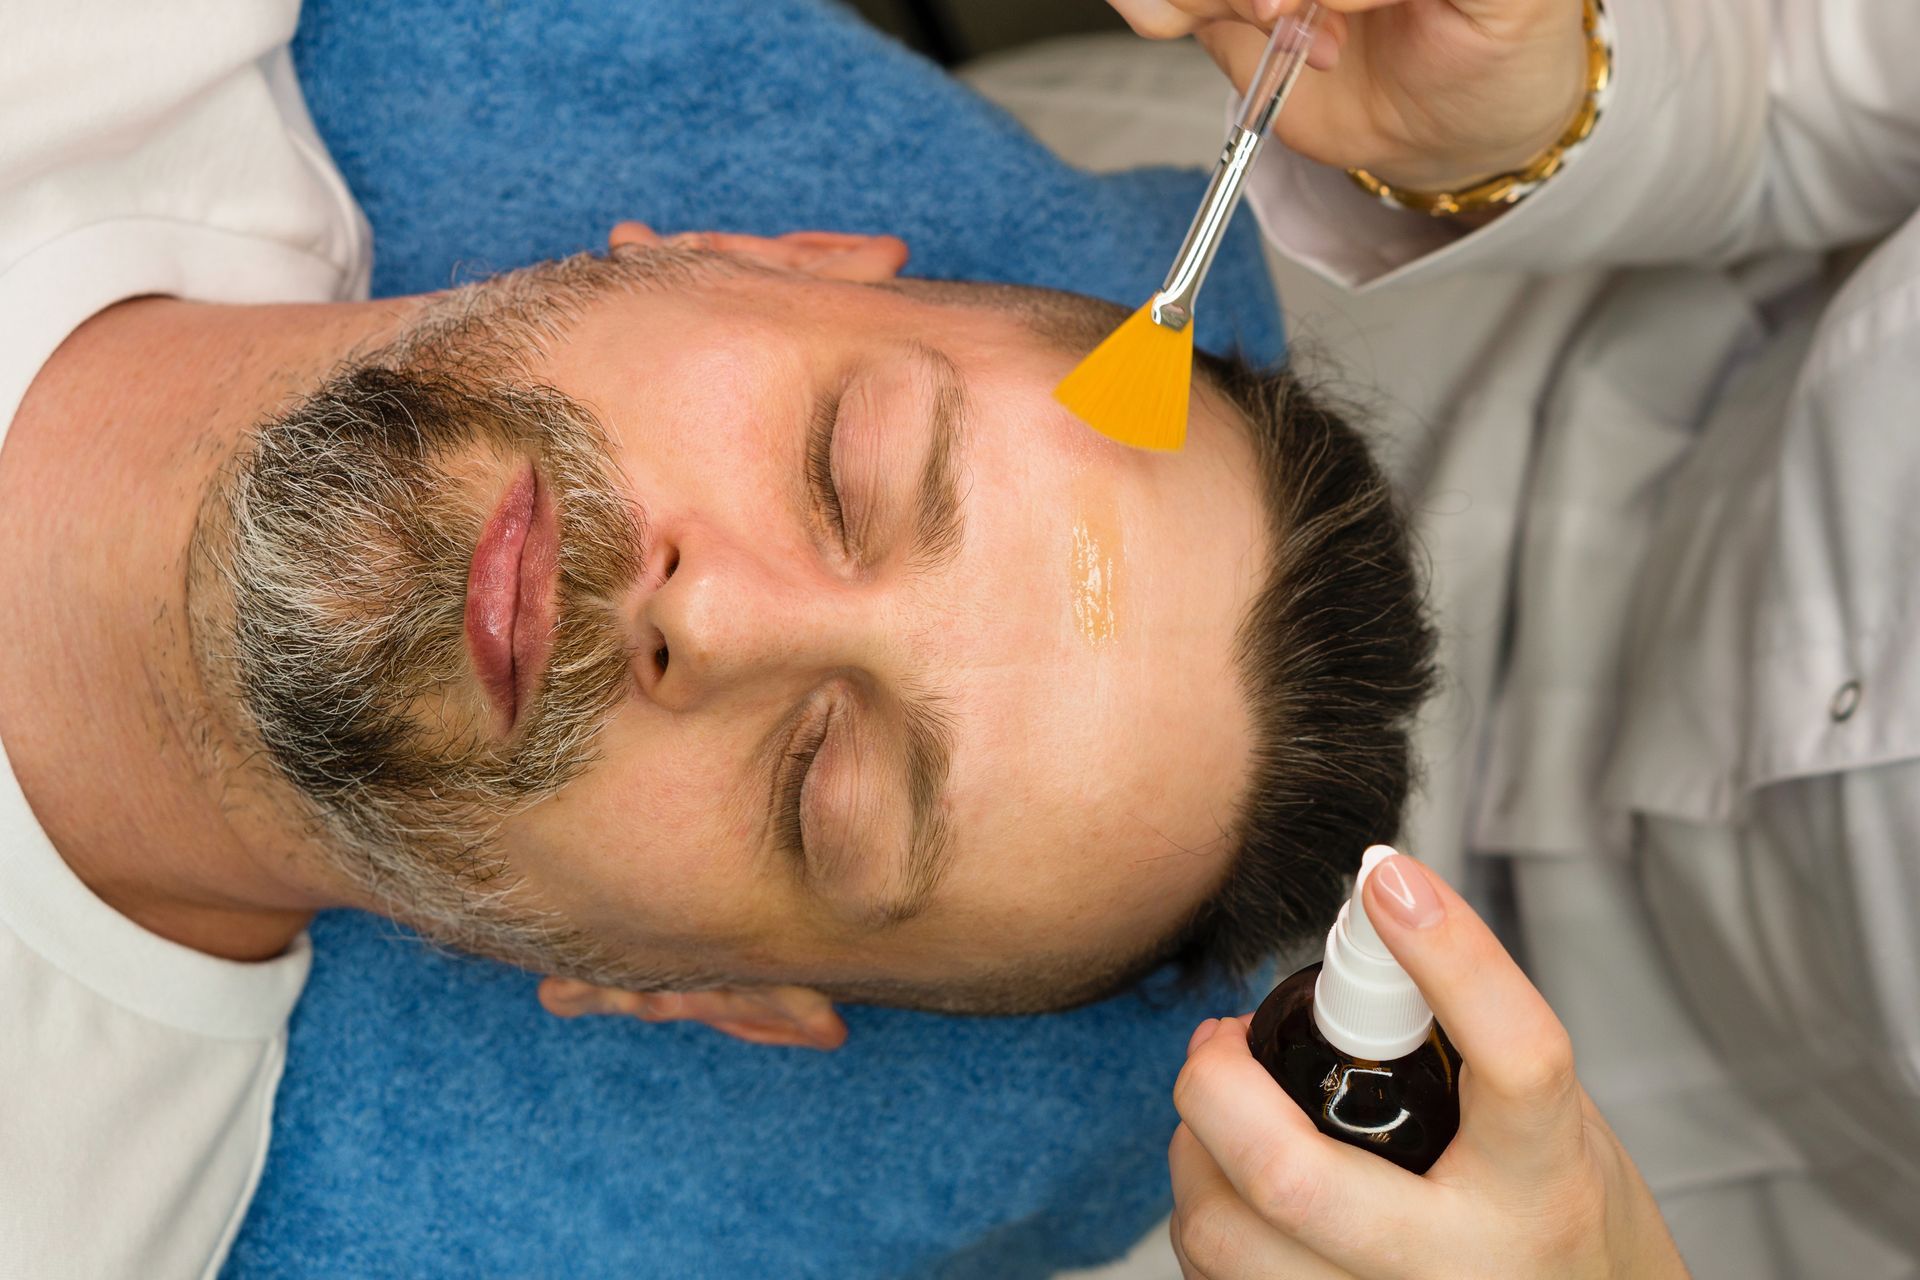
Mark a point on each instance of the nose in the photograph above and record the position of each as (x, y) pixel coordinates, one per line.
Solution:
(726, 614)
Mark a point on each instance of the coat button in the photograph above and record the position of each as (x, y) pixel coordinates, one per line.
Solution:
(1846, 701)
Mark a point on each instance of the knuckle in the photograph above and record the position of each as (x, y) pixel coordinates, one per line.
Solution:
(1284, 1190)
(1158, 20)
(1180, 1138)
(1211, 1234)
(1195, 1083)
(1162, 28)
(1542, 1073)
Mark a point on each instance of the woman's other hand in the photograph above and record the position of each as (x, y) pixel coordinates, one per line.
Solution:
(1534, 1186)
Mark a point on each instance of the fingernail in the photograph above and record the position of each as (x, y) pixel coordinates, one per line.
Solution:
(1203, 1033)
(1401, 888)
(1325, 52)
(1267, 12)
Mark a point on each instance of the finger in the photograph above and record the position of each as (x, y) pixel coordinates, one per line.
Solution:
(631, 233)
(1525, 1097)
(1201, 1034)
(561, 997)
(1289, 7)
(1237, 47)
(1171, 19)
(1215, 1232)
(571, 998)
(1187, 1270)
(1353, 1209)
(1499, 13)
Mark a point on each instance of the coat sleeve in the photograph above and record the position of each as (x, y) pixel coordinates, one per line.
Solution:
(1734, 127)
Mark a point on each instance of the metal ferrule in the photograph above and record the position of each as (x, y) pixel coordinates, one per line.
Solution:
(1173, 305)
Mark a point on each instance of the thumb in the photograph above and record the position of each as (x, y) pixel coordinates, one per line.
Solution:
(1525, 1096)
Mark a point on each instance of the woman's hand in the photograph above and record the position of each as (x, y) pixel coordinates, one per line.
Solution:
(1427, 94)
(1534, 1184)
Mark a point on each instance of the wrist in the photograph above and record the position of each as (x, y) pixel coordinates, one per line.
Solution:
(1458, 182)
(1434, 172)
(1438, 171)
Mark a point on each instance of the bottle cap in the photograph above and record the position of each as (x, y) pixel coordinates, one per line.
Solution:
(1363, 1002)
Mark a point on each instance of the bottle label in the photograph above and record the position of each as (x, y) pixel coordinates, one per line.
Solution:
(1360, 1101)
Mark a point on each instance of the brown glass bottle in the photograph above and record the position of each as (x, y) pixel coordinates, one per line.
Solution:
(1406, 1110)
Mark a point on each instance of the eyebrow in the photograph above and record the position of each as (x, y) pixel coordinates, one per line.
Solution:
(930, 842)
(939, 530)
(940, 525)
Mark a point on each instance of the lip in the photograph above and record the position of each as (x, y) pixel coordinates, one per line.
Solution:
(510, 588)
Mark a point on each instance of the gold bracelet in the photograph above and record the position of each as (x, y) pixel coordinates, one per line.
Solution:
(1510, 188)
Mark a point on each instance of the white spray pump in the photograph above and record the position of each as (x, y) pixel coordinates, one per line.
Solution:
(1364, 1003)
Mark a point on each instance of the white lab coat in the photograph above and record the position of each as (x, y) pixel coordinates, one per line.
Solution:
(1663, 465)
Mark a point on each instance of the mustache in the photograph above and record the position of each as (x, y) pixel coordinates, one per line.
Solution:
(602, 539)
(348, 574)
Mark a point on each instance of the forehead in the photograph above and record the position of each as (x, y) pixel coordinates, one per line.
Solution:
(1084, 637)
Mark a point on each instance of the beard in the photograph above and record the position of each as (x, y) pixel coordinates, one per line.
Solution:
(332, 561)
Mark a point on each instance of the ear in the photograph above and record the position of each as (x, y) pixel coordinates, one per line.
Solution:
(830, 255)
(797, 1016)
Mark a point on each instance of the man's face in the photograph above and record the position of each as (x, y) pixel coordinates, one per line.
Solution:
(926, 678)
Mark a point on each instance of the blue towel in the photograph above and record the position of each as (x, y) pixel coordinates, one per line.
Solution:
(433, 1121)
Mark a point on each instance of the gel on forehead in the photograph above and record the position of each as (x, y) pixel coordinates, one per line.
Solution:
(1095, 560)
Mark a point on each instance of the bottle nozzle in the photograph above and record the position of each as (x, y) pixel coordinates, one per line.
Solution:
(1359, 923)
(1364, 1003)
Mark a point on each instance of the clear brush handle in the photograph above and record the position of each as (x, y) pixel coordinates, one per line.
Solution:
(1280, 67)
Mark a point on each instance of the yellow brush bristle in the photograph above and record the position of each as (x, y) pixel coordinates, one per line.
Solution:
(1134, 387)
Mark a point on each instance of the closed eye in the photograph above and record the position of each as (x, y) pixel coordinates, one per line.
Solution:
(826, 494)
(796, 764)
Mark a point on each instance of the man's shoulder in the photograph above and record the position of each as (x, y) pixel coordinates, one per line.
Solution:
(130, 1145)
(162, 151)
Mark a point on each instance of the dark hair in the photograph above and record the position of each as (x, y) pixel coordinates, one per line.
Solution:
(1335, 656)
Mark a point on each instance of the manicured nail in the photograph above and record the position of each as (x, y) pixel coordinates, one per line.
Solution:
(1203, 1033)
(1402, 889)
